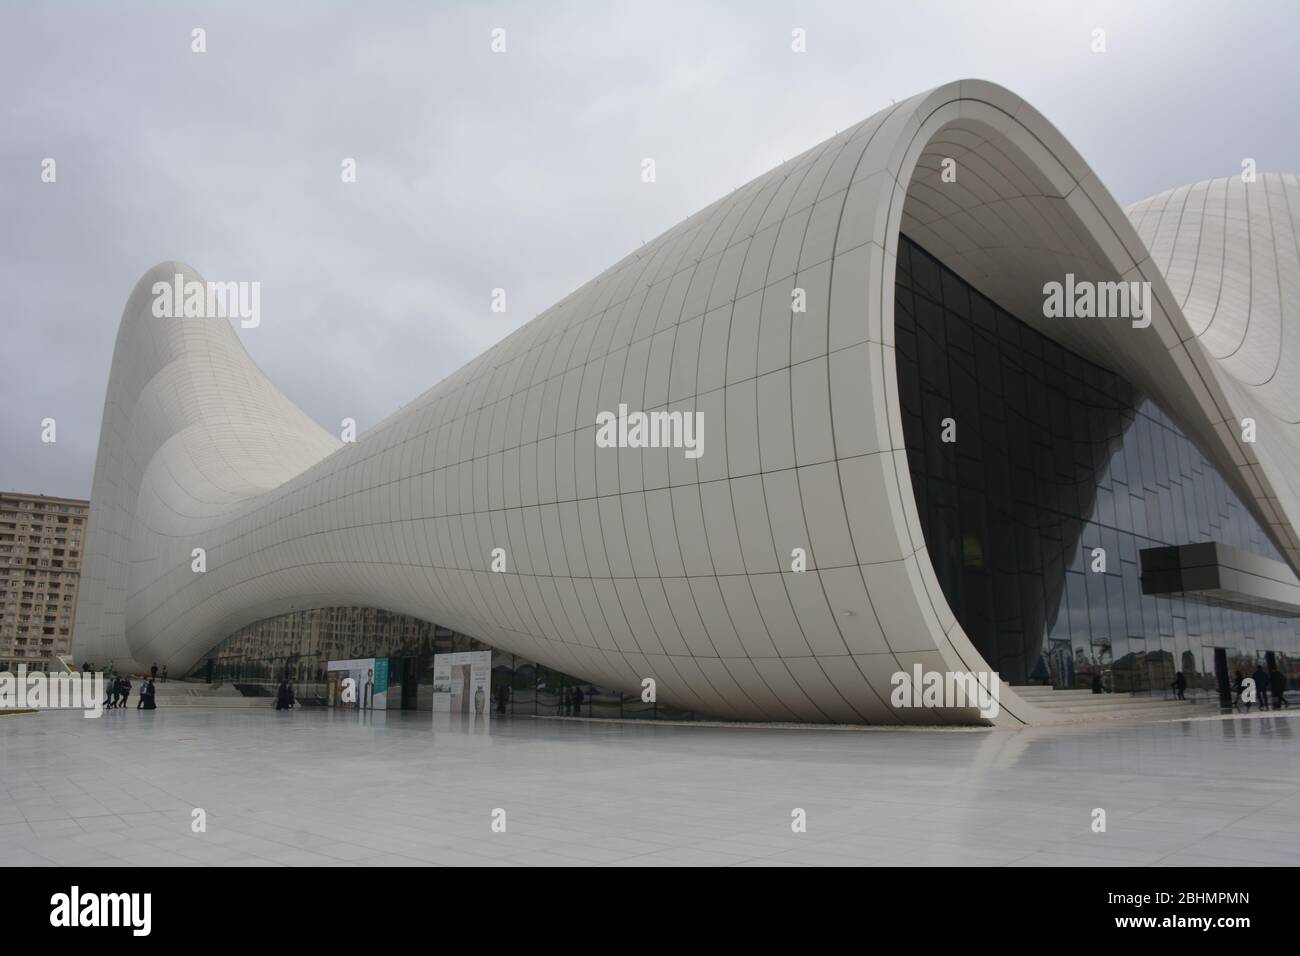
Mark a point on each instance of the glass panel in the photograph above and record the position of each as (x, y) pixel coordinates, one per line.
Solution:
(1057, 456)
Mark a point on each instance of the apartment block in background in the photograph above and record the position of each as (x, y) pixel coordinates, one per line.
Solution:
(40, 570)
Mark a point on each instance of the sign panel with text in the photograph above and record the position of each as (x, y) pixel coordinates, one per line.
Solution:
(462, 684)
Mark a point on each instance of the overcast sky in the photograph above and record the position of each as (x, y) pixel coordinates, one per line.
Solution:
(518, 170)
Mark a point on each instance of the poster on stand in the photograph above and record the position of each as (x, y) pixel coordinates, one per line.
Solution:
(369, 689)
(462, 684)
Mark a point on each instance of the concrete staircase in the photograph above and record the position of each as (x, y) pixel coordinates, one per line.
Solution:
(180, 693)
(1084, 705)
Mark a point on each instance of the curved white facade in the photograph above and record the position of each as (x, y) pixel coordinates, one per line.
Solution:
(623, 564)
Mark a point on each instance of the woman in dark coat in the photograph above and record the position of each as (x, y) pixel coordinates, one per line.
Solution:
(284, 695)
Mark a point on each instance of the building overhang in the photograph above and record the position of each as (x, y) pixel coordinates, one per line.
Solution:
(1221, 575)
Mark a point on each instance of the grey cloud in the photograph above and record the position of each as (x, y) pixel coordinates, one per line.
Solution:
(519, 171)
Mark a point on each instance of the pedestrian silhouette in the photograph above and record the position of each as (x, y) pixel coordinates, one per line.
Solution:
(1261, 686)
(1277, 682)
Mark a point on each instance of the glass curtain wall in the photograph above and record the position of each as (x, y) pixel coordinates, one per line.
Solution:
(300, 644)
(1055, 457)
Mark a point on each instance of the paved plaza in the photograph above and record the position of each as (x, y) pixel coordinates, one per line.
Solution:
(317, 787)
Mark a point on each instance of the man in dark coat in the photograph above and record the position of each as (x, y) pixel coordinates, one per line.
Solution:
(1277, 682)
(1261, 686)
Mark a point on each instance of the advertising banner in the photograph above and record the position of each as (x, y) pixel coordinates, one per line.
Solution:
(369, 683)
(462, 684)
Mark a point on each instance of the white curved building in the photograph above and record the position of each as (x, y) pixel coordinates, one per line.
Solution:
(625, 563)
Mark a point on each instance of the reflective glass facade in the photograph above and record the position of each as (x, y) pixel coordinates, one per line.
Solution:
(301, 643)
(1054, 457)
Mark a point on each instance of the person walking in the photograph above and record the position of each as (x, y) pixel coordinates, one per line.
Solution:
(1277, 683)
(124, 689)
(153, 671)
(146, 701)
(110, 689)
(284, 695)
(1180, 685)
(1261, 686)
(577, 702)
(164, 673)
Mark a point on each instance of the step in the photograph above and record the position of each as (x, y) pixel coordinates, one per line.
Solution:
(1153, 712)
(1042, 693)
(224, 703)
(1081, 704)
(161, 692)
(1138, 698)
(1113, 703)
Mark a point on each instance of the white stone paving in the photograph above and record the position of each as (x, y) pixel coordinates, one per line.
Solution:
(327, 788)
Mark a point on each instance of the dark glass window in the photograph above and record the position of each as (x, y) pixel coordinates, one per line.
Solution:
(1056, 456)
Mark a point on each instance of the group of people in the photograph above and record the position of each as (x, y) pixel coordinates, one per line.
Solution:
(118, 690)
(117, 687)
(1271, 682)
